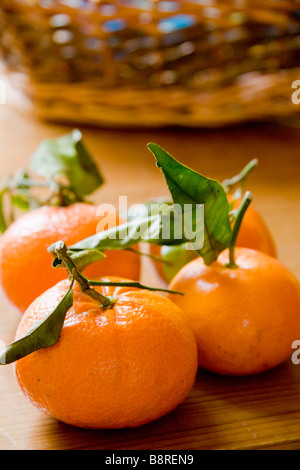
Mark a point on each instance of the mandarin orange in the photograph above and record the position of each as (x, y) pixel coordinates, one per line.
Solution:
(25, 264)
(245, 319)
(113, 368)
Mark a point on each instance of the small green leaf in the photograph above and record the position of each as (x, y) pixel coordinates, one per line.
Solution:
(85, 258)
(67, 156)
(175, 257)
(81, 259)
(189, 187)
(43, 334)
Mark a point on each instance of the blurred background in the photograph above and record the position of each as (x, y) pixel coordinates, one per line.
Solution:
(153, 62)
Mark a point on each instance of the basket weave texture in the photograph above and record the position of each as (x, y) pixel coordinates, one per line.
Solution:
(154, 62)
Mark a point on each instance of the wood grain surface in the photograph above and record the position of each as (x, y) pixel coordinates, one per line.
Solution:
(258, 412)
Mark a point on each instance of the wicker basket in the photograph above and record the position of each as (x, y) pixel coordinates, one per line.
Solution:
(154, 62)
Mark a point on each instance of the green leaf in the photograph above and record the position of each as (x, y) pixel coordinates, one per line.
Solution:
(152, 229)
(188, 221)
(159, 229)
(81, 259)
(189, 187)
(85, 258)
(21, 201)
(67, 156)
(164, 227)
(43, 334)
(174, 258)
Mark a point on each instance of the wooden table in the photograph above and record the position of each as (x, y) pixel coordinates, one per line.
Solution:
(259, 412)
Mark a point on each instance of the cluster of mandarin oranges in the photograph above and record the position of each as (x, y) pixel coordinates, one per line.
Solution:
(134, 362)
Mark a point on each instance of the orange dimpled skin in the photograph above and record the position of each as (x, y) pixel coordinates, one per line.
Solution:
(245, 319)
(25, 265)
(115, 368)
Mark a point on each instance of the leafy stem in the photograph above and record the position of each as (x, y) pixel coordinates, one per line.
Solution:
(189, 188)
(19, 191)
(42, 334)
(61, 252)
(221, 224)
(237, 224)
(61, 167)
